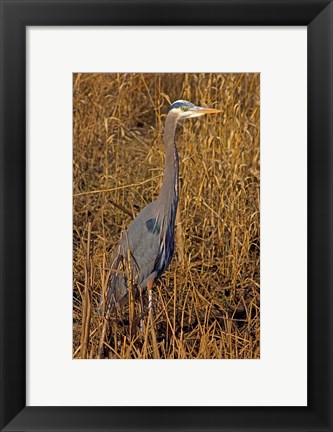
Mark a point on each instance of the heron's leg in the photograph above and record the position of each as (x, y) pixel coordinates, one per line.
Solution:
(150, 284)
(141, 311)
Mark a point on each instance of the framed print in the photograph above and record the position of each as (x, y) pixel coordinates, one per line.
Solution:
(182, 323)
(176, 286)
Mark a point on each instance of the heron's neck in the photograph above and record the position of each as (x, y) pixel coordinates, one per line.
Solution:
(168, 196)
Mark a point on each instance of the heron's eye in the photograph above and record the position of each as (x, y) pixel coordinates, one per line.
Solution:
(183, 108)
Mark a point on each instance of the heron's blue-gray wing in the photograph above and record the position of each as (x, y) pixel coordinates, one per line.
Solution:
(137, 251)
(142, 240)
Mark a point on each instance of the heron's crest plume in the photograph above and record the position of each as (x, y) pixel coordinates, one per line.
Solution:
(181, 104)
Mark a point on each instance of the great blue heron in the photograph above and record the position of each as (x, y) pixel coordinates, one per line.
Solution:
(146, 247)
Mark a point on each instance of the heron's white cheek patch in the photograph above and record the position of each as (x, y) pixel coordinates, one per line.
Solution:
(196, 115)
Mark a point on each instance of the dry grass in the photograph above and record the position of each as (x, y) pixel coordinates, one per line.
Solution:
(207, 303)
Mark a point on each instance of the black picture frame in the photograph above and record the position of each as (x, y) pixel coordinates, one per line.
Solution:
(15, 17)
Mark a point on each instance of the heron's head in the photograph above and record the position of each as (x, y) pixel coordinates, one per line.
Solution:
(185, 109)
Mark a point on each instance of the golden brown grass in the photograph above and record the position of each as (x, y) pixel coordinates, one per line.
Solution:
(207, 303)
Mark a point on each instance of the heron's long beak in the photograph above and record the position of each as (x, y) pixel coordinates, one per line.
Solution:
(203, 110)
(200, 111)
